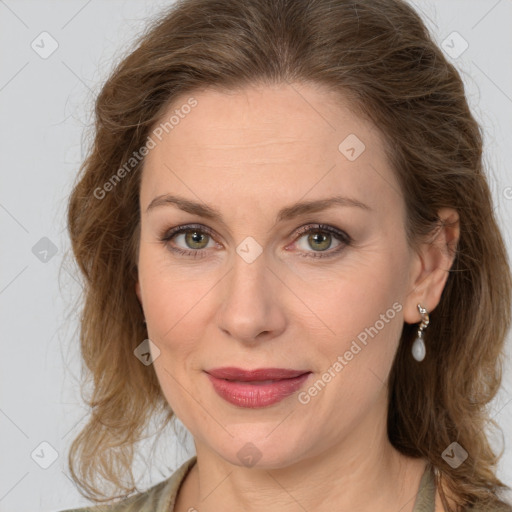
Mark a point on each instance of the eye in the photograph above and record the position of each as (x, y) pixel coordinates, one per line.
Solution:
(196, 238)
(320, 237)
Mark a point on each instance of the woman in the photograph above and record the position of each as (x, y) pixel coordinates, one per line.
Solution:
(288, 243)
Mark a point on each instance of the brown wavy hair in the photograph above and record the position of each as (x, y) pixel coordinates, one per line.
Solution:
(379, 55)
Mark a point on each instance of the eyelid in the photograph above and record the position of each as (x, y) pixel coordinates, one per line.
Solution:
(341, 236)
(312, 226)
(169, 233)
(298, 233)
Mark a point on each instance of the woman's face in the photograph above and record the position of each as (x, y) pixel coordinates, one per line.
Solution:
(250, 288)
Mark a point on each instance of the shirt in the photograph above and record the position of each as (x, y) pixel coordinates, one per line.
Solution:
(162, 496)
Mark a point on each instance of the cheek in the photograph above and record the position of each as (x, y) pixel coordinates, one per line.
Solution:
(173, 316)
(339, 305)
(362, 310)
(355, 298)
(172, 307)
(170, 292)
(357, 360)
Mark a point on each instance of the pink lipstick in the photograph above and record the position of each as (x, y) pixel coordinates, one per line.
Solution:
(256, 388)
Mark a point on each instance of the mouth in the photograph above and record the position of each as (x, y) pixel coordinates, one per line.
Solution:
(256, 388)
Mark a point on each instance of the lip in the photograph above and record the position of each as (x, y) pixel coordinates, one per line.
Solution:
(256, 388)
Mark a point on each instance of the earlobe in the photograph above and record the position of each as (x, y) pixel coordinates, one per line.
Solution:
(431, 266)
(139, 296)
(137, 291)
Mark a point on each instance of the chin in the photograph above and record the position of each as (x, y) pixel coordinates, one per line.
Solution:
(262, 452)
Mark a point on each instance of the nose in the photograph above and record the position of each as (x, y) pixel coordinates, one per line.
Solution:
(252, 308)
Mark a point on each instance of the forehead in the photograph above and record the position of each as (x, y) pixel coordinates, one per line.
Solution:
(260, 114)
(279, 142)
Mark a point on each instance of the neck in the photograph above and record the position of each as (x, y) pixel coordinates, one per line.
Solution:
(363, 473)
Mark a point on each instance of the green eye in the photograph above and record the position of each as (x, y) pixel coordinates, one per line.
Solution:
(320, 237)
(197, 237)
(320, 241)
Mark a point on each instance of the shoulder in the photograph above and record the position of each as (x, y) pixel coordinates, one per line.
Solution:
(453, 501)
(159, 498)
(497, 507)
(140, 502)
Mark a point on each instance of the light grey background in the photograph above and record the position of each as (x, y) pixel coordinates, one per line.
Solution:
(45, 106)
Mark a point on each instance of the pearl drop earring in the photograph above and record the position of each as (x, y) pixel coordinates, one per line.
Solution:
(418, 347)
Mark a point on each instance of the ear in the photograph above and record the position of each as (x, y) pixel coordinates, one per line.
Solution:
(137, 291)
(430, 266)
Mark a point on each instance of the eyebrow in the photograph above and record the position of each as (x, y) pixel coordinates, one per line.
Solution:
(287, 213)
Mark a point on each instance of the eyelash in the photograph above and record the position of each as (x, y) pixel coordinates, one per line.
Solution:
(341, 236)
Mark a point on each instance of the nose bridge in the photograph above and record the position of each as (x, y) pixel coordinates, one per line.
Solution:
(250, 304)
(248, 284)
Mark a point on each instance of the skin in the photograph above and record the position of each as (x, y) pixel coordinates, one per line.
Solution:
(249, 153)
